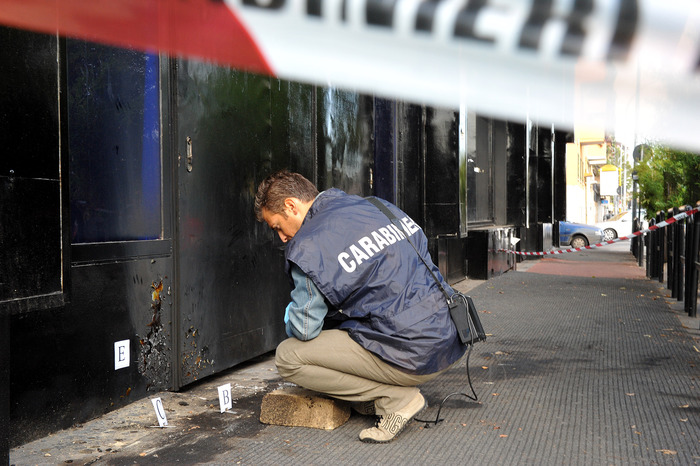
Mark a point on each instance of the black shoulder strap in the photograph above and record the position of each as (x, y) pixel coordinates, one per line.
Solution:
(390, 215)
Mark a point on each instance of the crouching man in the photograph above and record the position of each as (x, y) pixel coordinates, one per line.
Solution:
(367, 322)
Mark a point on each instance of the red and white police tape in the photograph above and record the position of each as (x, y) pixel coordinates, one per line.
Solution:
(658, 226)
(629, 66)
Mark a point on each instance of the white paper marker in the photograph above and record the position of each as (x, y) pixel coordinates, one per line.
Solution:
(225, 401)
(160, 412)
(121, 354)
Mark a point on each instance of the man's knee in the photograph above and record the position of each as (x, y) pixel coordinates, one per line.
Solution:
(285, 358)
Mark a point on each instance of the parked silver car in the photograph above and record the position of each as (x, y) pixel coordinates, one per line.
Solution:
(578, 235)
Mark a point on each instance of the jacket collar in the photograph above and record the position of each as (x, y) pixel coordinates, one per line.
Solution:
(322, 200)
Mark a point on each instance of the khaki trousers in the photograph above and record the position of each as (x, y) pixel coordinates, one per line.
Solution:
(334, 364)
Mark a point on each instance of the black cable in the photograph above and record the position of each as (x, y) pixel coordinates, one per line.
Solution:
(473, 396)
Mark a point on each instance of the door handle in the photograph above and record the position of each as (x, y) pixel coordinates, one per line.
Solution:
(188, 164)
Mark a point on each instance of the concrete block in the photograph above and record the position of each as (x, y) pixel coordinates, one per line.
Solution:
(297, 407)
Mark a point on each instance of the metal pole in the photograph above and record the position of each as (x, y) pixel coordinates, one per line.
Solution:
(680, 251)
(650, 238)
(694, 264)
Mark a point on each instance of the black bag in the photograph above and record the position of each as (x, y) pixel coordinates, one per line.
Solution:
(462, 309)
(466, 319)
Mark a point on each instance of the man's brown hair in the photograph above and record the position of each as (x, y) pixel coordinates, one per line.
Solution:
(279, 186)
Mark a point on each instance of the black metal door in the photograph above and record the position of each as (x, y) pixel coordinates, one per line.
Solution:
(231, 289)
(233, 129)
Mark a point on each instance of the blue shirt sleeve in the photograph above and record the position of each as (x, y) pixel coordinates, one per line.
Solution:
(304, 315)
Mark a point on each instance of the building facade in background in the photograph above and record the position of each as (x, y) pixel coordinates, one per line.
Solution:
(592, 193)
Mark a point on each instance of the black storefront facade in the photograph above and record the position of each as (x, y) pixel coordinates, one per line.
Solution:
(126, 224)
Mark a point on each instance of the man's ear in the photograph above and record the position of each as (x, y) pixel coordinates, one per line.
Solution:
(291, 204)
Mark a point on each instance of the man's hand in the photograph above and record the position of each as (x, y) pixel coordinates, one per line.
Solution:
(286, 313)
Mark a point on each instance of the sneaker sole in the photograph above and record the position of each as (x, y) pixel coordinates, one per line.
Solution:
(369, 440)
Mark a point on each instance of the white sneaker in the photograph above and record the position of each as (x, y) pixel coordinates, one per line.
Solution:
(390, 426)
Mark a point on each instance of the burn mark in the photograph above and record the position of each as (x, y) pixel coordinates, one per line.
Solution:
(194, 357)
(155, 363)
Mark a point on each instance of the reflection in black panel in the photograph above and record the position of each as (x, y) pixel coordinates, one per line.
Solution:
(561, 138)
(293, 124)
(516, 176)
(441, 172)
(410, 135)
(30, 234)
(345, 146)
(479, 167)
(28, 104)
(114, 132)
(30, 207)
(544, 175)
(385, 169)
(532, 172)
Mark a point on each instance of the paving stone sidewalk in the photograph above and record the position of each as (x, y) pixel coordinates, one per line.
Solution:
(576, 370)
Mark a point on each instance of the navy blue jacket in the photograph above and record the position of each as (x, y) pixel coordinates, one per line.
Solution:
(369, 273)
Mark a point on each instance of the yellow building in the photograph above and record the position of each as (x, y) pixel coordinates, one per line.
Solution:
(584, 157)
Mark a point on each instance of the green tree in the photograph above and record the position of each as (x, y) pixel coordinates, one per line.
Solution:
(668, 178)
